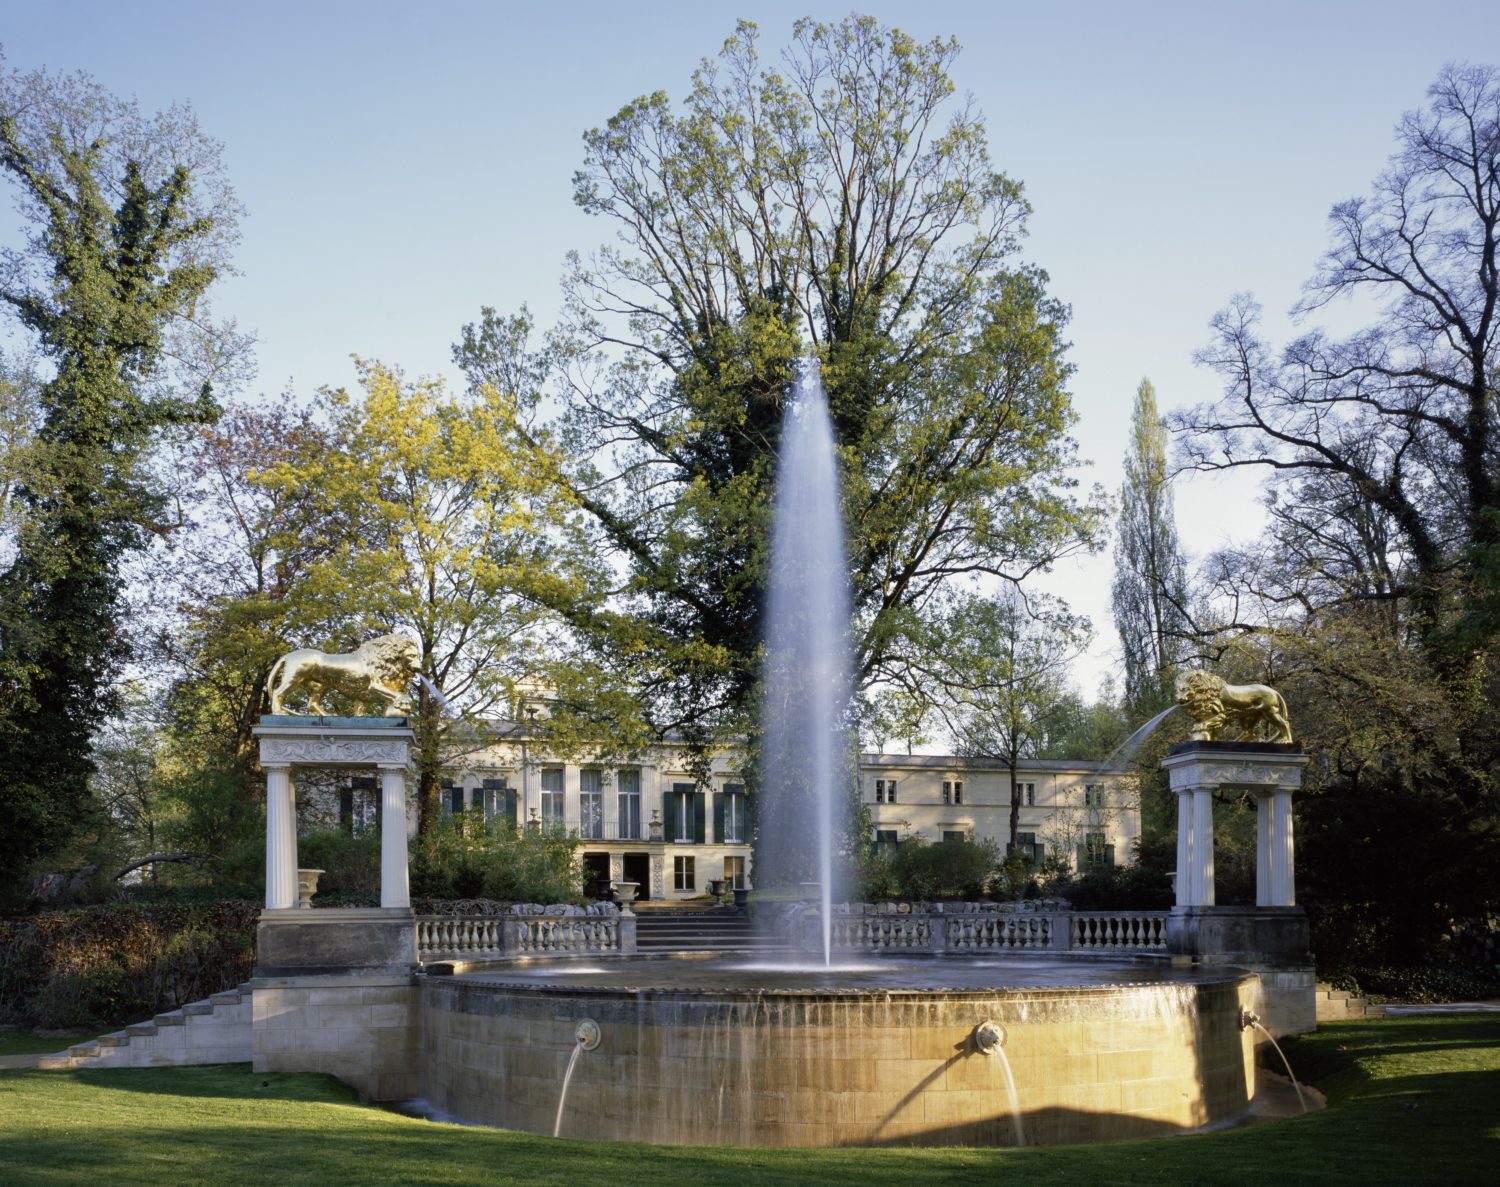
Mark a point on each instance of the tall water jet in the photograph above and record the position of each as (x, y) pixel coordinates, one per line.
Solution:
(807, 657)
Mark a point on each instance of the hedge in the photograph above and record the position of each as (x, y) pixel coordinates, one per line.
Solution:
(121, 962)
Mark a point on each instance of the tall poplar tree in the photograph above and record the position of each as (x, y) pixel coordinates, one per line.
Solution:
(127, 222)
(1150, 586)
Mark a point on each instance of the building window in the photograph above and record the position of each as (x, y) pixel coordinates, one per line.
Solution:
(958, 791)
(684, 814)
(591, 804)
(552, 799)
(499, 802)
(628, 780)
(890, 791)
(955, 834)
(1026, 794)
(947, 792)
(734, 872)
(1093, 795)
(880, 791)
(731, 826)
(1095, 853)
(682, 873)
(886, 836)
(1026, 845)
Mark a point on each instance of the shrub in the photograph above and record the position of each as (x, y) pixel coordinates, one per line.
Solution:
(350, 862)
(464, 858)
(920, 870)
(119, 962)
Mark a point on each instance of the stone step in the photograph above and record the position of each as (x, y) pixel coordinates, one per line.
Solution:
(83, 1050)
(198, 1009)
(55, 1063)
(140, 1030)
(171, 1018)
(118, 1039)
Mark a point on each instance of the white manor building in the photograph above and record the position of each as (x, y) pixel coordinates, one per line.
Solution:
(656, 823)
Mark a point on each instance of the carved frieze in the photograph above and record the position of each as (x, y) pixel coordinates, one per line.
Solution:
(1236, 773)
(334, 751)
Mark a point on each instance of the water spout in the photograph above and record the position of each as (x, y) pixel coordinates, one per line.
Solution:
(1121, 755)
(435, 693)
(1249, 1018)
(585, 1038)
(807, 649)
(989, 1039)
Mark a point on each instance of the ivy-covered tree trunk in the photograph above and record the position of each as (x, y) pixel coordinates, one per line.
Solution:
(117, 250)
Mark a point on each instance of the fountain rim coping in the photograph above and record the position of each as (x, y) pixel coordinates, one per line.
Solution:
(489, 976)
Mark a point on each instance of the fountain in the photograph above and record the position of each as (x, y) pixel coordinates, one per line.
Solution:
(887, 1051)
(807, 664)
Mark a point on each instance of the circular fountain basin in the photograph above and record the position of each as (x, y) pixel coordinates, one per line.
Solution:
(871, 1052)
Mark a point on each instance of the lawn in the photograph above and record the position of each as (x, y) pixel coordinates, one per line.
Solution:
(1411, 1101)
(19, 1041)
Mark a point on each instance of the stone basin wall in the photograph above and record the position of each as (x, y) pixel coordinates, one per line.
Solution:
(827, 1068)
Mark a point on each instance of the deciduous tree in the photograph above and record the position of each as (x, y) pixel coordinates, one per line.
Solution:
(843, 203)
(126, 223)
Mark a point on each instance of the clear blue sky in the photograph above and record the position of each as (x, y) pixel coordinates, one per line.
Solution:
(404, 164)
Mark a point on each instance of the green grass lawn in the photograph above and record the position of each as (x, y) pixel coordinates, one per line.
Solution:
(1411, 1101)
(16, 1041)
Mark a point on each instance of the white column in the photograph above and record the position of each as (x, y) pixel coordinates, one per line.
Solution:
(395, 889)
(1185, 848)
(1264, 862)
(1283, 883)
(281, 838)
(1203, 847)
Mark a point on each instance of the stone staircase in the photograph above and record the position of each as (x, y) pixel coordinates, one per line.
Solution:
(1335, 1005)
(698, 929)
(215, 1030)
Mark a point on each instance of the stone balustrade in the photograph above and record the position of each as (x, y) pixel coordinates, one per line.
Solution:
(492, 937)
(1124, 931)
(978, 927)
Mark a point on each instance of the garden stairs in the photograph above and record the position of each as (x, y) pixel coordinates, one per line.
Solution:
(215, 1030)
(680, 928)
(1335, 1005)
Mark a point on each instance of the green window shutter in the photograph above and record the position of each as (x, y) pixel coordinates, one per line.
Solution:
(719, 819)
(698, 817)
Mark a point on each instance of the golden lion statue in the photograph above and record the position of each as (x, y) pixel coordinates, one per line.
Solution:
(374, 676)
(1250, 708)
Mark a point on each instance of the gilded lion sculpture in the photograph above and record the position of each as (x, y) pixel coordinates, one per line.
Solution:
(375, 676)
(1214, 705)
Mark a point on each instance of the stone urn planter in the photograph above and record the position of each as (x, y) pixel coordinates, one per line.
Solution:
(625, 895)
(716, 887)
(741, 899)
(307, 886)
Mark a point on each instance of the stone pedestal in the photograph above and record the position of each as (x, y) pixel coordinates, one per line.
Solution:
(1270, 938)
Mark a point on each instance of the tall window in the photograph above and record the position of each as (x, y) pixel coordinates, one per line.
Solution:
(684, 821)
(590, 804)
(958, 791)
(1093, 795)
(499, 802)
(1026, 793)
(880, 791)
(732, 827)
(1097, 855)
(734, 872)
(886, 836)
(890, 791)
(682, 873)
(552, 798)
(629, 782)
(947, 792)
